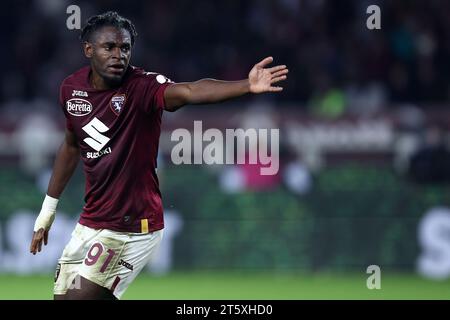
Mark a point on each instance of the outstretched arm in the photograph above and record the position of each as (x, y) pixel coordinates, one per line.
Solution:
(260, 79)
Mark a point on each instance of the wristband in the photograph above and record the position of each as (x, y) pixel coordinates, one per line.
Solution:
(47, 214)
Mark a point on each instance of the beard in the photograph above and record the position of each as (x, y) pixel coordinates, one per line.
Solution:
(113, 81)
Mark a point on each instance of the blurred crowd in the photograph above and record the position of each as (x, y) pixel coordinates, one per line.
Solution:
(336, 63)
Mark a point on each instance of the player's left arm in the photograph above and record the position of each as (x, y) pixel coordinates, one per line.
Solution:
(260, 79)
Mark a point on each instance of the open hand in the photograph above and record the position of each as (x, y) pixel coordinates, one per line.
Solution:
(261, 79)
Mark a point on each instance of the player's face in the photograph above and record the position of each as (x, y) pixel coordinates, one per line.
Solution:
(110, 52)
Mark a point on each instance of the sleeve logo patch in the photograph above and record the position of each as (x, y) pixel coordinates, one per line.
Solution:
(117, 103)
(161, 79)
(78, 107)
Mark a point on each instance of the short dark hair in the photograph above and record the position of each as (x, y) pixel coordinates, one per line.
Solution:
(110, 18)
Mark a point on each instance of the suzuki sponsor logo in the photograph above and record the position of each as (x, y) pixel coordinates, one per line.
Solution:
(98, 154)
(78, 107)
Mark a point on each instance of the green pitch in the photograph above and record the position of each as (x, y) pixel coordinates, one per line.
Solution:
(232, 285)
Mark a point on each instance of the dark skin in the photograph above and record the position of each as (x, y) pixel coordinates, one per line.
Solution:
(109, 52)
(88, 291)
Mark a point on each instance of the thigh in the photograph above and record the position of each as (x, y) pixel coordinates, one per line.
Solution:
(72, 258)
(114, 259)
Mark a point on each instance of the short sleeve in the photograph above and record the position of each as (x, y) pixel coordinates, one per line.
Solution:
(155, 85)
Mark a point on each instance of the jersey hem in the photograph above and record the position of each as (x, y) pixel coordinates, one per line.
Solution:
(133, 228)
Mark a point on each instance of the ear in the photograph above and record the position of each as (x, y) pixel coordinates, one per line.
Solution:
(88, 49)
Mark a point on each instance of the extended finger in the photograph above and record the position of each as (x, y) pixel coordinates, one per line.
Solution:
(275, 89)
(33, 245)
(37, 238)
(264, 62)
(277, 79)
(280, 73)
(277, 68)
(39, 245)
(45, 237)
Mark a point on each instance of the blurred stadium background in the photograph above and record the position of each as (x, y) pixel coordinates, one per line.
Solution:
(364, 163)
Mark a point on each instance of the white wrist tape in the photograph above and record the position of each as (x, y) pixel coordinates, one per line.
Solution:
(47, 214)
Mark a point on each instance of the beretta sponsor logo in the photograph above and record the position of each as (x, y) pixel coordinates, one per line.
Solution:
(78, 107)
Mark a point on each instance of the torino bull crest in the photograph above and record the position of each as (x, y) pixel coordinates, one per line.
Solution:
(117, 103)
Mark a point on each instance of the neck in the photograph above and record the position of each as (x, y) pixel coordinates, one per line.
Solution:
(97, 81)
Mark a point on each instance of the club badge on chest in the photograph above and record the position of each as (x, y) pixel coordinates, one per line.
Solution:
(117, 103)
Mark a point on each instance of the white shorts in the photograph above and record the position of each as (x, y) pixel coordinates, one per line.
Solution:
(108, 258)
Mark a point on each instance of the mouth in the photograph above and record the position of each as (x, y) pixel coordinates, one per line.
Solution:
(117, 68)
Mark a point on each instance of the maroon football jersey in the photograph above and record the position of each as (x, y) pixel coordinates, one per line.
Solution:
(118, 134)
